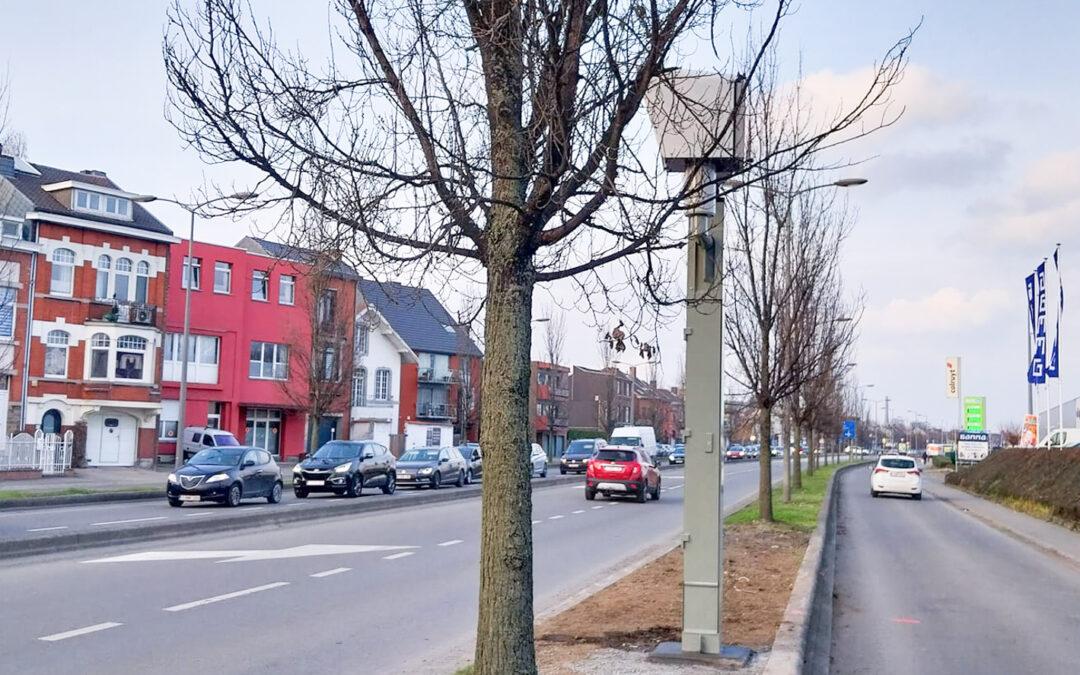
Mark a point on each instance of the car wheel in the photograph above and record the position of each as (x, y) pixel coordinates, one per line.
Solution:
(917, 496)
(656, 492)
(543, 472)
(355, 488)
(175, 502)
(275, 494)
(642, 493)
(460, 482)
(391, 484)
(232, 497)
(590, 494)
(300, 494)
(873, 493)
(436, 481)
(468, 477)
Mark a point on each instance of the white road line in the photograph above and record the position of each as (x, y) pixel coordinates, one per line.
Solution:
(327, 573)
(403, 554)
(226, 596)
(130, 520)
(554, 517)
(537, 522)
(579, 511)
(254, 508)
(46, 529)
(80, 631)
(200, 513)
(451, 542)
(598, 507)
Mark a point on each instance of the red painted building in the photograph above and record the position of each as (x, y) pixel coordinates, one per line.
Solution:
(250, 347)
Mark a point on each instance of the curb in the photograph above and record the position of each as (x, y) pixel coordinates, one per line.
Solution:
(65, 500)
(59, 543)
(804, 638)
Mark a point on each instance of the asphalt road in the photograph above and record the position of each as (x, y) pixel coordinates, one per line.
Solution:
(309, 597)
(923, 588)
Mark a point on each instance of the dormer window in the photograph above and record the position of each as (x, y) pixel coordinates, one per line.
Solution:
(103, 204)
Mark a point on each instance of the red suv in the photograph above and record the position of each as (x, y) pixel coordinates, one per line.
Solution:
(622, 471)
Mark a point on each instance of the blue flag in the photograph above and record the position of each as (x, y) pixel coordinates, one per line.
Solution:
(1037, 370)
(1052, 365)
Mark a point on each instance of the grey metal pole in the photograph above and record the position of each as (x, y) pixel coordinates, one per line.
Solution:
(703, 536)
(179, 459)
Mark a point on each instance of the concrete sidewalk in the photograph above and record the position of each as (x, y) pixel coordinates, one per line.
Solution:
(1049, 537)
(97, 478)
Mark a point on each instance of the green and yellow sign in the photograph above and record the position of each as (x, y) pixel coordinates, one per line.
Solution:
(974, 413)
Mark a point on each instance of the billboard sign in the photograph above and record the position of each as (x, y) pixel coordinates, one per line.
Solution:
(952, 377)
(974, 413)
(973, 446)
(1029, 437)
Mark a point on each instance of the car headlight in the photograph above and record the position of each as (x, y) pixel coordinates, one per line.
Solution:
(296, 468)
(217, 478)
(343, 468)
(172, 478)
(425, 472)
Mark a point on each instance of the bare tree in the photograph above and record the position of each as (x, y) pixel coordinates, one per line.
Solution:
(474, 135)
(554, 336)
(12, 143)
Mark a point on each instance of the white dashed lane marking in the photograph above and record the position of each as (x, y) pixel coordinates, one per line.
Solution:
(579, 511)
(328, 573)
(56, 637)
(47, 529)
(452, 542)
(395, 556)
(536, 522)
(225, 596)
(598, 507)
(130, 520)
(554, 517)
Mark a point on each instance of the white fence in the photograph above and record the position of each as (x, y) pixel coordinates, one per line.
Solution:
(48, 453)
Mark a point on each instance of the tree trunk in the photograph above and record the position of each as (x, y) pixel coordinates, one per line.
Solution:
(765, 464)
(504, 637)
(785, 444)
(796, 470)
(811, 455)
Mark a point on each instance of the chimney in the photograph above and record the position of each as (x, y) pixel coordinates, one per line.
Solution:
(633, 373)
(94, 172)
(7, 164)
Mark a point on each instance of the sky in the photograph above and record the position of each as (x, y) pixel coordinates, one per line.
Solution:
(974, 185)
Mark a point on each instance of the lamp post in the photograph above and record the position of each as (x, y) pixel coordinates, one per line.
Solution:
(178, 460)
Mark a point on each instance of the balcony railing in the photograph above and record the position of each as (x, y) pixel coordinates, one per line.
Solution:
(138, 313)
(432, 376)
(561, 392)
(435, 410)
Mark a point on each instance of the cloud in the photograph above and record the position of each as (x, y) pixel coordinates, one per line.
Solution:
(948, 168)
(1043, 208)
(945, 310)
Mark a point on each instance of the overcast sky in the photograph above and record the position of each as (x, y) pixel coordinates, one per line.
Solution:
(967, 193)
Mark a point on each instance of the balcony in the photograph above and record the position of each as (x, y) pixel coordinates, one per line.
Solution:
(560, 392)
(137, 313)
(441, 411)
(433, 376)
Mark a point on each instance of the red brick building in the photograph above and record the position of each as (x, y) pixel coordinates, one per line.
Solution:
(549, 403)
(86, 267)
(250, 350)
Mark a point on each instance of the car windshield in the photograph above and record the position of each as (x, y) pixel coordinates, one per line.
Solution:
(421, 455)
(617, 455)
(225, 440)
(581, 448)
(338, 450)
(632, 441)
(219, 456)
(679, 449)
(890, 463)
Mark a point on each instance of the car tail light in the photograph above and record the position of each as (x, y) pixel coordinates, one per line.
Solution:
(915, 471)
(881, 470)
(635, 470)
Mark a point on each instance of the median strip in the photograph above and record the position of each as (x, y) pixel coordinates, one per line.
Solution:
(225, 596)
(56, 637)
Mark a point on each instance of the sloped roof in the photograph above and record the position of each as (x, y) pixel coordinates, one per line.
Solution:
(419, 318)
(281, 251)
(30, 186)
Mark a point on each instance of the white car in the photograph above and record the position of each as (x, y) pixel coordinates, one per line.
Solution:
(539, 460)
(896, 474)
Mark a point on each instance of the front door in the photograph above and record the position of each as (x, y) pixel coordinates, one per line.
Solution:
(110, 439)
(327, 430)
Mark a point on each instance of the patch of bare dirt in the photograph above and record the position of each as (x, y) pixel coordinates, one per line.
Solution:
(645, 608)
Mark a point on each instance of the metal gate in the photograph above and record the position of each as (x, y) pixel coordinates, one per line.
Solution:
(48, 453)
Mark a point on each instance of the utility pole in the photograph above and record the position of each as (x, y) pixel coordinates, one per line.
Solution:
(886, 411)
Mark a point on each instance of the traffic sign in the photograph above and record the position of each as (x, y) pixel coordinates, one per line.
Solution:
(975, 413)
(849, 428)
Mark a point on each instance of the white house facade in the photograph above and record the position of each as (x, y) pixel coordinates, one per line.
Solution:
(379, 355)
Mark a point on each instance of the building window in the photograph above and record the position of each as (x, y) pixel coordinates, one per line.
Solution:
(108, 205)
(203, 355)
(330, 364)
(99, 356)
(269, 361)
(122, 279)
(359, 387)
(56, 353)
(130, 357)
(192, 273)
(7, 312)
(362, 330)
(101, 288)
(63, 272)
(434, 437)
(263, 429)
(222, 277)
(213, 414)
(286, 290)
(382, 384)
(259, 285)
(142, 281)
(169, 421)
(327, 302)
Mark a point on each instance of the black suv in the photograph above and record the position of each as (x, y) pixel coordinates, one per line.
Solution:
(577, 455)
(345, 468)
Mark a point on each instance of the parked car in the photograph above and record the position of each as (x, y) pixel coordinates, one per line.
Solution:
(751, 451)
(734, 452)
(345, 468)
(662, 452)
(1061, 438)
(474, 461)
(635, 437)
(896, 474)
(678, 455)
(198, 438)
(225, 475)
(431, 467)
(578, 454)
(622, 471)
(539, 460)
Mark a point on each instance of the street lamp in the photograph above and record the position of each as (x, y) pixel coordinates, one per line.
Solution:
(732, 185)
(178, 460)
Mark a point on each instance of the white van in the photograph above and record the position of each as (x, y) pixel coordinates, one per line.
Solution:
(635, 437)
(200, 438)
(1061, 438)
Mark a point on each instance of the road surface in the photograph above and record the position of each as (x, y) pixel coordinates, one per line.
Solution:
(309, 598)
(923, 588)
